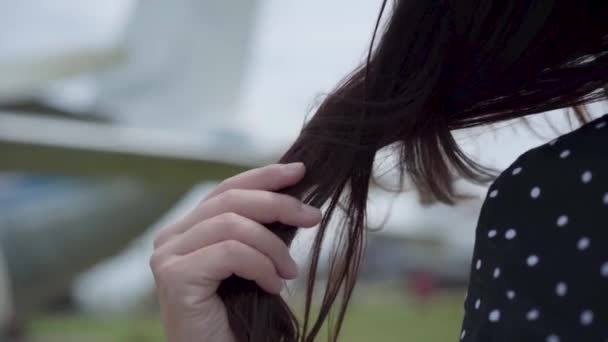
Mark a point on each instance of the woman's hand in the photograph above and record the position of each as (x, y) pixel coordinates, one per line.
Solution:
(223, 236)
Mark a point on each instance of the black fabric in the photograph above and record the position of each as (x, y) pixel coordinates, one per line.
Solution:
(540, 264)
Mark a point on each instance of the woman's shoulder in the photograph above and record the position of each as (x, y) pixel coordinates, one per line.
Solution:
(570, 169)
(589, 138)
(586, 144)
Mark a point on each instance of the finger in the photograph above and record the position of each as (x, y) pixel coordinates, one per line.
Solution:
(230, 226)
(261, 206)
(217, 262)
(271, 178)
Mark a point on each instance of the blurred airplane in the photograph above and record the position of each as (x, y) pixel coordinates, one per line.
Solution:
(73, 193)
(80, 175)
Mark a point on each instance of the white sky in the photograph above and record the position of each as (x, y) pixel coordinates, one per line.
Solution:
(49, 26)
(300, 50)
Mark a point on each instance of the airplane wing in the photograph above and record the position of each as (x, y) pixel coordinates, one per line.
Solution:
(87, 189)
(70, 147)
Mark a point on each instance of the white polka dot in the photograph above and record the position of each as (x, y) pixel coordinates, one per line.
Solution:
(532, 315)
(493, 193)
(510, 294)
(604, 270)
(492, 233)
(562, 220)
(510, 234)
(463, 334)
(494, 315)
(561, 289)
(587, 317)
(535, 192)
(516, 171)
(478, 264)
(552, 338)
(477, 303)
(583, 243)
(552, 142)
(605, 198)
(496, 272)
(600, 125)
(532, 260)
(564, 154)
(586, 177)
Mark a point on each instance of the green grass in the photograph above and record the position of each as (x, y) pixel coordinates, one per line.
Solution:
(144, 328)
(401, 321)
(374, 317)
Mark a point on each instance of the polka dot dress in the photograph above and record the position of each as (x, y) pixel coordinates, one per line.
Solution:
(540, 264)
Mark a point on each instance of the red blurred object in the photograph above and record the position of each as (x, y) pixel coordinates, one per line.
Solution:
(423, 285)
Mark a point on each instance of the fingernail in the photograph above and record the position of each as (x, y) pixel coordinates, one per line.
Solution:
(293, 269)
(311, 211)
(294, 167)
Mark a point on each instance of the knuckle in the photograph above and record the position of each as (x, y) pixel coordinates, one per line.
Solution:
(270, 199)
(229, 196)
(267, 264)
(228, 220)
(225, 184)
(156, 261)
(290, 202)
(168, 272)
(201, 202)
(281, 199)
(285, 205)
(271, 204)
(230, 247)
(160, 238)
(165, 274)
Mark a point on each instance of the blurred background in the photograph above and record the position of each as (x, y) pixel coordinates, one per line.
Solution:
(118, 116)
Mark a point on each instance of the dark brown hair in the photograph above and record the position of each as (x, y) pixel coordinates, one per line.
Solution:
(439, 65)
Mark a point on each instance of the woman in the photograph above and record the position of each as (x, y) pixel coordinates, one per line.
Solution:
(539, 268)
